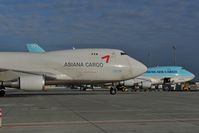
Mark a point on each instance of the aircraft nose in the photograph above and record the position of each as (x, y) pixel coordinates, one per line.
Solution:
(189, 75)
(137, 68)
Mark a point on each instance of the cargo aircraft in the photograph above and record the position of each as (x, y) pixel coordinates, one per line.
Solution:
(160, 75)
(33, 71)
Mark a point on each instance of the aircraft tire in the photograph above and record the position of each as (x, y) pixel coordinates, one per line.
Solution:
(84, 89)
(113, 91)
(2, 93)
(123, 89)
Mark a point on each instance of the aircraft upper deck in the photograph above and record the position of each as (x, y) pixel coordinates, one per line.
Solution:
(167, 71)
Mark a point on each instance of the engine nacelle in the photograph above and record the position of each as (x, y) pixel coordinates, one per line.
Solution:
(33, 82)
(146, 84)
(129, 83)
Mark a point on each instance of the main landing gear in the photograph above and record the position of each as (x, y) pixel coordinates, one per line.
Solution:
(113, 90)
(2, 92)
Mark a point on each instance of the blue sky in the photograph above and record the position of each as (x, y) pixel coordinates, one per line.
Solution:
(135, 26)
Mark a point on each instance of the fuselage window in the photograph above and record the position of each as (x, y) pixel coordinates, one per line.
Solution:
(122, 53)
(94, 53)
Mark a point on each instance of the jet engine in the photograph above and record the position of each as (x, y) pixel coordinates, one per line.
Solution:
(146, 84)
(33, 82)
(128, 83)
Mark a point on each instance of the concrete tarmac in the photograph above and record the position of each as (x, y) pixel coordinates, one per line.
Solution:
(64, 111)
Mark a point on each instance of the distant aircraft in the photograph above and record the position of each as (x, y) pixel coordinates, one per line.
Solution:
(160, 75)
(32, 71)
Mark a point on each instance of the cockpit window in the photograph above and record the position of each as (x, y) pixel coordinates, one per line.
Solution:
(122, 53)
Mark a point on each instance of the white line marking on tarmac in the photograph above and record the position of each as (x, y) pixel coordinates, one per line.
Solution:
(41, 124)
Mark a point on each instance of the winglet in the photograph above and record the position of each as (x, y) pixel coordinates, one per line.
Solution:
(34, 48)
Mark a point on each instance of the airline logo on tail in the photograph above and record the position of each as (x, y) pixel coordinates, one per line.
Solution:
(34, 45)
(106, 58)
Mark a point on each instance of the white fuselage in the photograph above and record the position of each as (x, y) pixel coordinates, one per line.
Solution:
(71, 66)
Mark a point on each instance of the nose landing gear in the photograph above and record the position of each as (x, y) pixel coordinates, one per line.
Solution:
(2, 93)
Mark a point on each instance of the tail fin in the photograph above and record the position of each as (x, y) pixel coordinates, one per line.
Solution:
(34, 48)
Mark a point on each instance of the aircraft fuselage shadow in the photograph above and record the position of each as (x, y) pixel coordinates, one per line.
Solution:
(28, 94)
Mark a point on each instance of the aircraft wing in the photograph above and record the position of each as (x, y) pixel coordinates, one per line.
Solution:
(6, 74)
(141, 79)
(153, 80)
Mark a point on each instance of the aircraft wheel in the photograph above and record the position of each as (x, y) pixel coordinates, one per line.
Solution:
(2, 93)
(84, 89)
(113, 91)
(123, 89)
